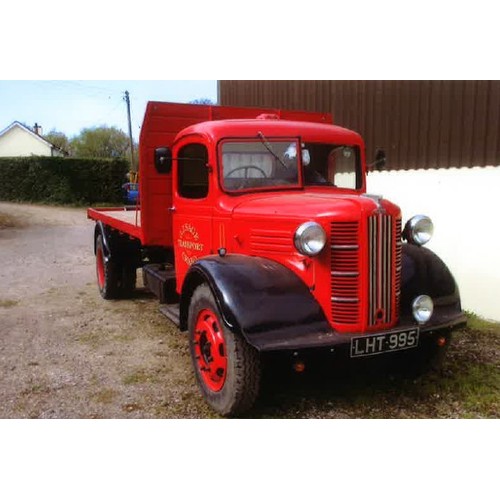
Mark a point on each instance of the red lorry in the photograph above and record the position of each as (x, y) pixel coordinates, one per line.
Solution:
(255, 232)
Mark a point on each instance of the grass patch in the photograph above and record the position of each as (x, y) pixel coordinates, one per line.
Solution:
(8, 303)
(93, 338)
(138, 377)
(475, 388)
(105, 396)
(479, 389)
(8, 221)
(475, 322)
(123, 337)
(34, 389)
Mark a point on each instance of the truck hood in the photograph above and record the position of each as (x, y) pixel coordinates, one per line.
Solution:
(310, 205)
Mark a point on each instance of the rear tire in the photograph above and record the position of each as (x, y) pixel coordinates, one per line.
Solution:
(227, 368)
(108, 273)
(128, 280)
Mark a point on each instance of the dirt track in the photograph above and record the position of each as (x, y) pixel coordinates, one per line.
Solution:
(66, 353)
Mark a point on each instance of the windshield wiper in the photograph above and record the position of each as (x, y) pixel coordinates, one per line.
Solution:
(269, 148)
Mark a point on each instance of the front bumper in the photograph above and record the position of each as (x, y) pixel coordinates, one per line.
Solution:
(443, 320)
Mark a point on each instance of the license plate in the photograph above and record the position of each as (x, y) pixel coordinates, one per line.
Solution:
(370, 345)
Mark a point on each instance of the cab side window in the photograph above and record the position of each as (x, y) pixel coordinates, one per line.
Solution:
(193, 171)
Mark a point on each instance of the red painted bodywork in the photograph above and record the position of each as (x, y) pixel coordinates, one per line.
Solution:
(210, 350)
(166, 124)
(254, 223)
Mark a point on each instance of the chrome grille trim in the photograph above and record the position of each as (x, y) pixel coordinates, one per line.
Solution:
(344, 273)
(398, 263)
(344, 247)
(380, 238)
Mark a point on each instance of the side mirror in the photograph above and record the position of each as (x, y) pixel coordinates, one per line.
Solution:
(163, 160)
(380, 159)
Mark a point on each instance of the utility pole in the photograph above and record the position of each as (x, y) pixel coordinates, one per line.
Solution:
(127, 100)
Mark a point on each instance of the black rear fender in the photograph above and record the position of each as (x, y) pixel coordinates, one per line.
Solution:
(100, 229)
(119, 247)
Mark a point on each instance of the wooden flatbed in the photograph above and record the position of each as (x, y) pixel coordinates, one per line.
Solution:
(124, 219)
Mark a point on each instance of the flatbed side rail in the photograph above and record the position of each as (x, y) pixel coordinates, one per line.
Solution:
(124, 219)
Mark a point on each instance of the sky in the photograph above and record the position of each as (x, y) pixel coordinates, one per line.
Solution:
(70, 105)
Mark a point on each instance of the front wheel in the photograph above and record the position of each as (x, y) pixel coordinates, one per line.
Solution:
(227, 368)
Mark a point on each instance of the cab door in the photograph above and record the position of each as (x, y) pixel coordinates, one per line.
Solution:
(192, 205)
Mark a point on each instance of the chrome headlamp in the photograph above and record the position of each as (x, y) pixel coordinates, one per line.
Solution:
(422, 309)
(418, 230)
(310, 239)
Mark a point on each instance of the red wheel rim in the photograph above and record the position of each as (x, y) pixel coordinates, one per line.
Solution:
(100, 268)
(210, 350)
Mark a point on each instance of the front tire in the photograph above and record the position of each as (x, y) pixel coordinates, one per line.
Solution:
(227, 368)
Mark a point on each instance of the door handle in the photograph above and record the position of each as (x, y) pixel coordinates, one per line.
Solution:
(171, 209)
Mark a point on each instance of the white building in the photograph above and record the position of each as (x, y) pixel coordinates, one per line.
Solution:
(463, 204)
(18, 140)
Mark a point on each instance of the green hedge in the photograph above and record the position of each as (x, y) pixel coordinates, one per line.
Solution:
(62, 180)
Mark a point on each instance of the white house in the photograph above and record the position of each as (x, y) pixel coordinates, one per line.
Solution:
(18, 140)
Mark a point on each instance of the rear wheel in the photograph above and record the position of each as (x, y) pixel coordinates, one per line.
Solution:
(227, 368)
(108, 275)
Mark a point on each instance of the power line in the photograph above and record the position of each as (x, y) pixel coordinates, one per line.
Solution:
(84, 86)
(76, 93)
(105, 117)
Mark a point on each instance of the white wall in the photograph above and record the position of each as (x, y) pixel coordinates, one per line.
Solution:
(464, 204)
(18, 142)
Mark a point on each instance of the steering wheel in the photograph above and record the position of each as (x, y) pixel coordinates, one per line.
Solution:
(246, 168)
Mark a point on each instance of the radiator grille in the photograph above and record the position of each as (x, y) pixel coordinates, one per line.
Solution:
(398, 263)
(380, 252)
(345, 272)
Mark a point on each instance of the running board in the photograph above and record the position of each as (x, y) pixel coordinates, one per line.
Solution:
(171, 311)
(160, 279)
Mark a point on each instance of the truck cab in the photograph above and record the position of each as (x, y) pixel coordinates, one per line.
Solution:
(256, 233)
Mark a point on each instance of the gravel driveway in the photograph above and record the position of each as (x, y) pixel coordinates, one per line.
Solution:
(65, 352)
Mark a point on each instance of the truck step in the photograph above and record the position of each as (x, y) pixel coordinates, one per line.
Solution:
(171, 311)
(160, 279)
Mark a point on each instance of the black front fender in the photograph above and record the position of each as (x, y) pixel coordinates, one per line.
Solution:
(424, 273)
(258, 297)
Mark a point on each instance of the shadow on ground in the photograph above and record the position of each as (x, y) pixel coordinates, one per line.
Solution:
(467, 385)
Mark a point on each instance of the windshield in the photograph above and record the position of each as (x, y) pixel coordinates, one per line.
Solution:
(331, 165)
(261, 164)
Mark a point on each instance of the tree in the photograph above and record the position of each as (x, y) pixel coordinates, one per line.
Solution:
(100, 142)
(58, 139)
(203, 100)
